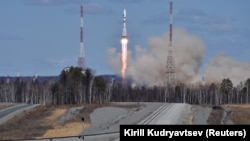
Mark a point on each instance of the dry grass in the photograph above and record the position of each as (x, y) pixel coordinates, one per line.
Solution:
(4, 106)
(29, 124)
(69, 129)
(239, 114)
(215, 117)
(41, 122)
(73, 127)
(237, 105)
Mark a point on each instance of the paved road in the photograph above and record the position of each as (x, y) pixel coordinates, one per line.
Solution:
(177, 113)
(10, 112)
(168, 113)
(106, 121)
(11, 109)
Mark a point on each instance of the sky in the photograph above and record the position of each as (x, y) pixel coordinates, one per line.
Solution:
(42, 37)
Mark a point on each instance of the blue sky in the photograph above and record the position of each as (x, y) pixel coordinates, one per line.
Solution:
(42, 36)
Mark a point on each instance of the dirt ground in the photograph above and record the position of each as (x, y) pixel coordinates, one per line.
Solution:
(41, 121)
(238, 114)
(4, 106)
(230, 114)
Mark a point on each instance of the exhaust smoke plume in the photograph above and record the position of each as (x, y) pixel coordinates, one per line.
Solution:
(223, 66)
(148, 66)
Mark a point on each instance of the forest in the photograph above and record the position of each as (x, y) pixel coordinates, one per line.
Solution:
(78, 86)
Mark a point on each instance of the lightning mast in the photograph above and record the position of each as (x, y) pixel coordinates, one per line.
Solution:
(171, 73)
(81, 59)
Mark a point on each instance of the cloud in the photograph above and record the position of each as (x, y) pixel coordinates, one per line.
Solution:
(160, 18)
(61, 62)
(95, 8)
(54, 2)
(127, 1)
(194, 19)
(196, 16)
(46, 2)
(114, 59)
(202, 21)
(90, 8)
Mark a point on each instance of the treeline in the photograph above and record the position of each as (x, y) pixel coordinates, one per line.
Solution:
(77, 86)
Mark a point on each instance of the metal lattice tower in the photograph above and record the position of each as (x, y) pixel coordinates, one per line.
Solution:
(171, 73)
(81, 58)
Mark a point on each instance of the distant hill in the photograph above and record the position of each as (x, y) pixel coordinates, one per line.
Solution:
(109, 77)
(28, 78)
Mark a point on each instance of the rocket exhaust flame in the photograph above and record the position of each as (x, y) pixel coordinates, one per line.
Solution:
(124, 52)
(124, 60)
(147, 67)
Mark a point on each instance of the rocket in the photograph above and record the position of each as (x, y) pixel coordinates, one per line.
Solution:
(124, 31)
(124, 50)
(124, 15)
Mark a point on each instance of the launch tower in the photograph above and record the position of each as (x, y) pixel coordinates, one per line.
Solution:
(81, 58)
(171, 73)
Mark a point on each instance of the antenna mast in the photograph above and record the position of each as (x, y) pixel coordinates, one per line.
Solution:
(81, 58)
(171, 73)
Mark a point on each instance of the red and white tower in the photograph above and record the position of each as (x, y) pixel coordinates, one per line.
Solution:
(171, 73)
(81, 58)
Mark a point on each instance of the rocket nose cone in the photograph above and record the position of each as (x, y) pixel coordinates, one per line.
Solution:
(124, 12)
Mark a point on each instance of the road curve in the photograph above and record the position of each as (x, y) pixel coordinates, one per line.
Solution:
(106, 121)
(10, 112)
(166, 113)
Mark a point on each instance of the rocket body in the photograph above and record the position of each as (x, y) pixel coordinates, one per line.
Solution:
(124, 15)
(124, 50)
(124, 31)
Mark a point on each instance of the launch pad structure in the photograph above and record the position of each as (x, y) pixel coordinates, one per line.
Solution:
(170, 63)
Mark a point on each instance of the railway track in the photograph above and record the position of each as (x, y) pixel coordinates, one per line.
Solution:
(146, 121)
(156, 114)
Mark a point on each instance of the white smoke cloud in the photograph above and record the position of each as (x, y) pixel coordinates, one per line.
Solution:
(222, 66)
(148, 65)
(114, 59)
